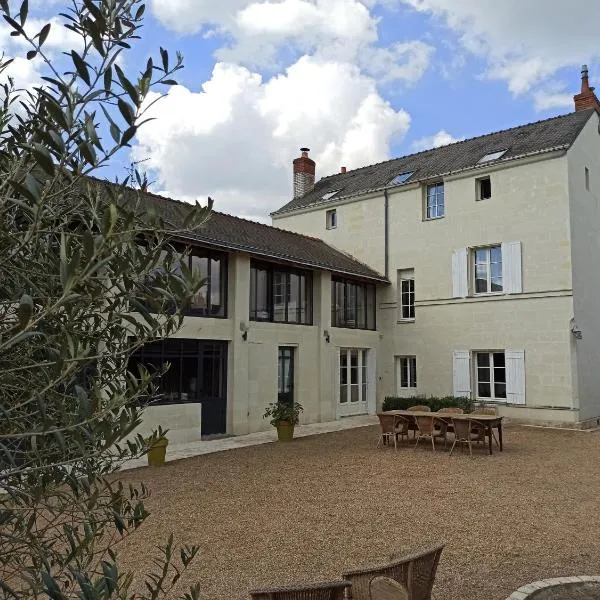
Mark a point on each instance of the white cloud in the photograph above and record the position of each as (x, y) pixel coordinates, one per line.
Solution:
(441, 138)
(524, 43)
(239, 135)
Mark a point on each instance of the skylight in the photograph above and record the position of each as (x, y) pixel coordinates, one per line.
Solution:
(402, 178)
(329, 195)
(492, 156)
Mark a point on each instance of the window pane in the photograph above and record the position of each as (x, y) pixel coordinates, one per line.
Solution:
(215, 286)
(370, 307)
(343, 394)
(350, 305)
(483, 390)
(496, 254)
(498, 359)
(361, 307)
(483, 374)
(499, 390)
(340, 300)
(200, 265)
(354, 366)
(483, 360)
(303, 312)
(293, 290)
(354, 393)
(481, 283)
(262, 295)
(413, 372)
(499, 375)
(280, 293)
(403, 372)
(481, 256)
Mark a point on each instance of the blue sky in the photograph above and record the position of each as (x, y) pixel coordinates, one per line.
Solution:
(357, 81)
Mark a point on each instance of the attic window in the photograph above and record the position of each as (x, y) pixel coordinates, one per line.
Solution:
(492, 156)
(329, 195)
(402, 178)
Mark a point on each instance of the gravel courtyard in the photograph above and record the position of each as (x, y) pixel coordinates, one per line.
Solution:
(305, 511)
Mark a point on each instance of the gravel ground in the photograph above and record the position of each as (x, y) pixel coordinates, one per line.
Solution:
(281, 513)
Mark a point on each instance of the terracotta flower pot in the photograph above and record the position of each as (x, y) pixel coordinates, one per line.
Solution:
(158, 452)
(285, 431)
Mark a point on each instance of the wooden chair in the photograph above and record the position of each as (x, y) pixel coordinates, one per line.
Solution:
(415, 571)
(384, 588)
(329, 590)
(388, 429)
(464, 434)
(445, 426)
(480, 431)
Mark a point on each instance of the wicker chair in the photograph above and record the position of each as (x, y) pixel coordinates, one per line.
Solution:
(415, 571)
(445, 426)
(417, 408)
(388, 429)
(402, 427)
(464, 433)
(480, 431)
(329, 590)
(384, 588)
(426, 429)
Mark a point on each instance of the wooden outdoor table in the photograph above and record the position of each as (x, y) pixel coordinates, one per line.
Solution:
(488, 421)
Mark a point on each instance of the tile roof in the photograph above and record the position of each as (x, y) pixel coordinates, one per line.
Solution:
(533, 138)
(233, 233)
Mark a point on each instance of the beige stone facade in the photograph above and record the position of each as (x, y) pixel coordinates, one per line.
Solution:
(544, 214)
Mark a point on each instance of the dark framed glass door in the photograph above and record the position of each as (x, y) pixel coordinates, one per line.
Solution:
(285, 374)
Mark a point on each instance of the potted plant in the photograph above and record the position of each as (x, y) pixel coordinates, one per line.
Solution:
(157, 448)
(284, 416)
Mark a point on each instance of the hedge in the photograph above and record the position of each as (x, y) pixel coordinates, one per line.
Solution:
(395, 403)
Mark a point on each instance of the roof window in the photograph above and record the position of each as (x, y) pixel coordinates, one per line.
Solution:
(401, 178)
(329, 195)
(491, 156)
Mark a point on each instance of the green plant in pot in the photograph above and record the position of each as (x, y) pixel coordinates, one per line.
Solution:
(284, 416)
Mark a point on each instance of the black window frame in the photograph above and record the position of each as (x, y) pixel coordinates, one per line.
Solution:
(271, 269)
(355, 289)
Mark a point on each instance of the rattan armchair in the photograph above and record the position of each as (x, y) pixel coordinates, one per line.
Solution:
(387, 429)
(465, 433)
(415, 571)
(384, 588)
(426, 429)
(444, 425)
(480, 431)
(329, 590)
(417, 408)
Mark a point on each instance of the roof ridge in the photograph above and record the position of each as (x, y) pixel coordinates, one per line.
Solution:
(458, 142)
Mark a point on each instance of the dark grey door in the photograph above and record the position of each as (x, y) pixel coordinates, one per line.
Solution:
(285, 374)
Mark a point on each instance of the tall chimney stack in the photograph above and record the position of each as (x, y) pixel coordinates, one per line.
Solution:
(304, 174)
(586, 98)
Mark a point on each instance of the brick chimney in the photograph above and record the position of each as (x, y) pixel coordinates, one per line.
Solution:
(586, 98)
(304, 174)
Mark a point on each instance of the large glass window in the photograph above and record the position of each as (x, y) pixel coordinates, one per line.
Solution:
(406, 285)
(279, 294)
(435, 201)
(491, 375)
(488, 270)
(352, 304)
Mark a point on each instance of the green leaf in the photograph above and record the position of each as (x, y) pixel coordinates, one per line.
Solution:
(126, 111)
(25, 310)
(80, 66)
(31, 54)
(165, 59)
(128, 86)
(128, 135)
(43, 158)
(23, 12)
(51, 586)
(108, 79)
(43, 35)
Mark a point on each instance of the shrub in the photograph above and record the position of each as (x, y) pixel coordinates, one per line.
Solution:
(435, 403)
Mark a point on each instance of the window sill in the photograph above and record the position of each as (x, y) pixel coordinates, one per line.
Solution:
(405, 321)
(433, 218)
(495, 400)
(330, 228)
(484, 294)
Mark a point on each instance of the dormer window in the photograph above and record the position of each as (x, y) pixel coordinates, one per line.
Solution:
(401, 178)
(490, 156)
(329, 195)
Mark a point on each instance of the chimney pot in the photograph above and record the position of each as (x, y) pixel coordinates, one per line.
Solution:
(343, 170)
(304, 173)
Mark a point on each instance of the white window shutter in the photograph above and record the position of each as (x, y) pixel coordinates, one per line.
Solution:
(336, 376)
(460, 282)
(461, 370)
(511, 267)
(515, 376)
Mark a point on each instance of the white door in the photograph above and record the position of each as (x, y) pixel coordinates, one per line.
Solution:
(353, 379)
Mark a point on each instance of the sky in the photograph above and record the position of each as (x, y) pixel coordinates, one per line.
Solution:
(356, 81)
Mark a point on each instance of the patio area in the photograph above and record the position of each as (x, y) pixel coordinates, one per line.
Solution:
(274, 514)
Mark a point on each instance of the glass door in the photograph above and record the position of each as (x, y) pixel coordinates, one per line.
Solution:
(353, 381)
(285, 374)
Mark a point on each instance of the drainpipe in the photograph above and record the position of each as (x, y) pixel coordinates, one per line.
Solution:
(386, 233)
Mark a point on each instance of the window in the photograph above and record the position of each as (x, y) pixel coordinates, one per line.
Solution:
(407, 371)
(211, 299)
(406, 290)
(352, 304)
(435, 201)
(402, 178)
(353, 378)
(279, 294)
(491, 375)
(331, 219)
(488, 270)
(484, 188)
(329, 195)
(587, 179)
(491, 156)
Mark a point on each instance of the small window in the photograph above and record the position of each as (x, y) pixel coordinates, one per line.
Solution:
(406, 372)
(484, 188)
(434, 201)
(587, 179)
(491, 156)
(488, 270)
(402, 178)
(406, 291)
(329, 195)
(331, 219)
(491, 375)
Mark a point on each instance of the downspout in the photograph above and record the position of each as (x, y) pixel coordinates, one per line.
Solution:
(386, 233)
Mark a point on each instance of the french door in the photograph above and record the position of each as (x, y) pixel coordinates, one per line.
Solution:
(353, 380)
(285, 374)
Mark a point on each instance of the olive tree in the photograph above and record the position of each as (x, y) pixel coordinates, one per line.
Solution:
(87, 275)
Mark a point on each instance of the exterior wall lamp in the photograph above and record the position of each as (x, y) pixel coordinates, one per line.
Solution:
(577, 333)
(244, 330)
(326, 335)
